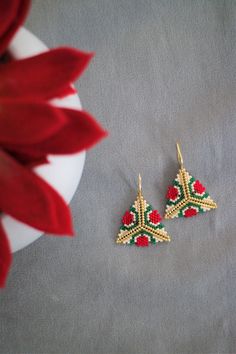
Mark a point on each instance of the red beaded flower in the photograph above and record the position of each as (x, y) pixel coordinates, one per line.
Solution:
(154, 217)
(31, 128)
(142, 241)
(172, 193)
(198, 187)
(128, 218)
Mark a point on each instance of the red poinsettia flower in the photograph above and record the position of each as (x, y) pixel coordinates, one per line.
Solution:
(198, 187)
(142, 241)
(155, 217)
(172, 193)
(31, 128)
(128, 218)
(188, 213)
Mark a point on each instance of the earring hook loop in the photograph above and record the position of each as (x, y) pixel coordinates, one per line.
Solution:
(139, 184)
(179, 156)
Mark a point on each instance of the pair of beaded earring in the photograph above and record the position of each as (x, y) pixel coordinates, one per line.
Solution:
(186, 197)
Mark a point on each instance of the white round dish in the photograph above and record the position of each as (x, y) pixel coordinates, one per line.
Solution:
(63, 172)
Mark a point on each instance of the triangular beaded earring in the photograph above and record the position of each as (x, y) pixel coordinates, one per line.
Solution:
(141, 224)
(186, 196)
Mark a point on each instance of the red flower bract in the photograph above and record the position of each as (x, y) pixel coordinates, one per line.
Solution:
(128, 218)
(31, 128)
(154, 217)
(142, 241)
(172, 193)
(12, 15)
(198, 187)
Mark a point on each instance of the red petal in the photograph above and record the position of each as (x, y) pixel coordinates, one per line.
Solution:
(81, 132)
(31, 163)
(29, 199)
(198, 187)
(155, 217)
(128, 218)
(5, 256)
(27, 159)
(190, 212)
(142, 241)
(8, 11)
(27, 122)
(69, 90)
(172, 193)
(45, 76)
(12, 15)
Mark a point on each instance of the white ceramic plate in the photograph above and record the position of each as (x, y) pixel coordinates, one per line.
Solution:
(63, 172)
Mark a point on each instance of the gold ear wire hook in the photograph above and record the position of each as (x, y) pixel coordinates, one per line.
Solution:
(139, 184)
(179, 156)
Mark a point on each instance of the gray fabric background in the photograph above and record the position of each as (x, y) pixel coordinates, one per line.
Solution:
(164, 70)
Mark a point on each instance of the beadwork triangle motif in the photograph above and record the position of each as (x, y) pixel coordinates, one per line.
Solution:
(187, 197)
(141, 225)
